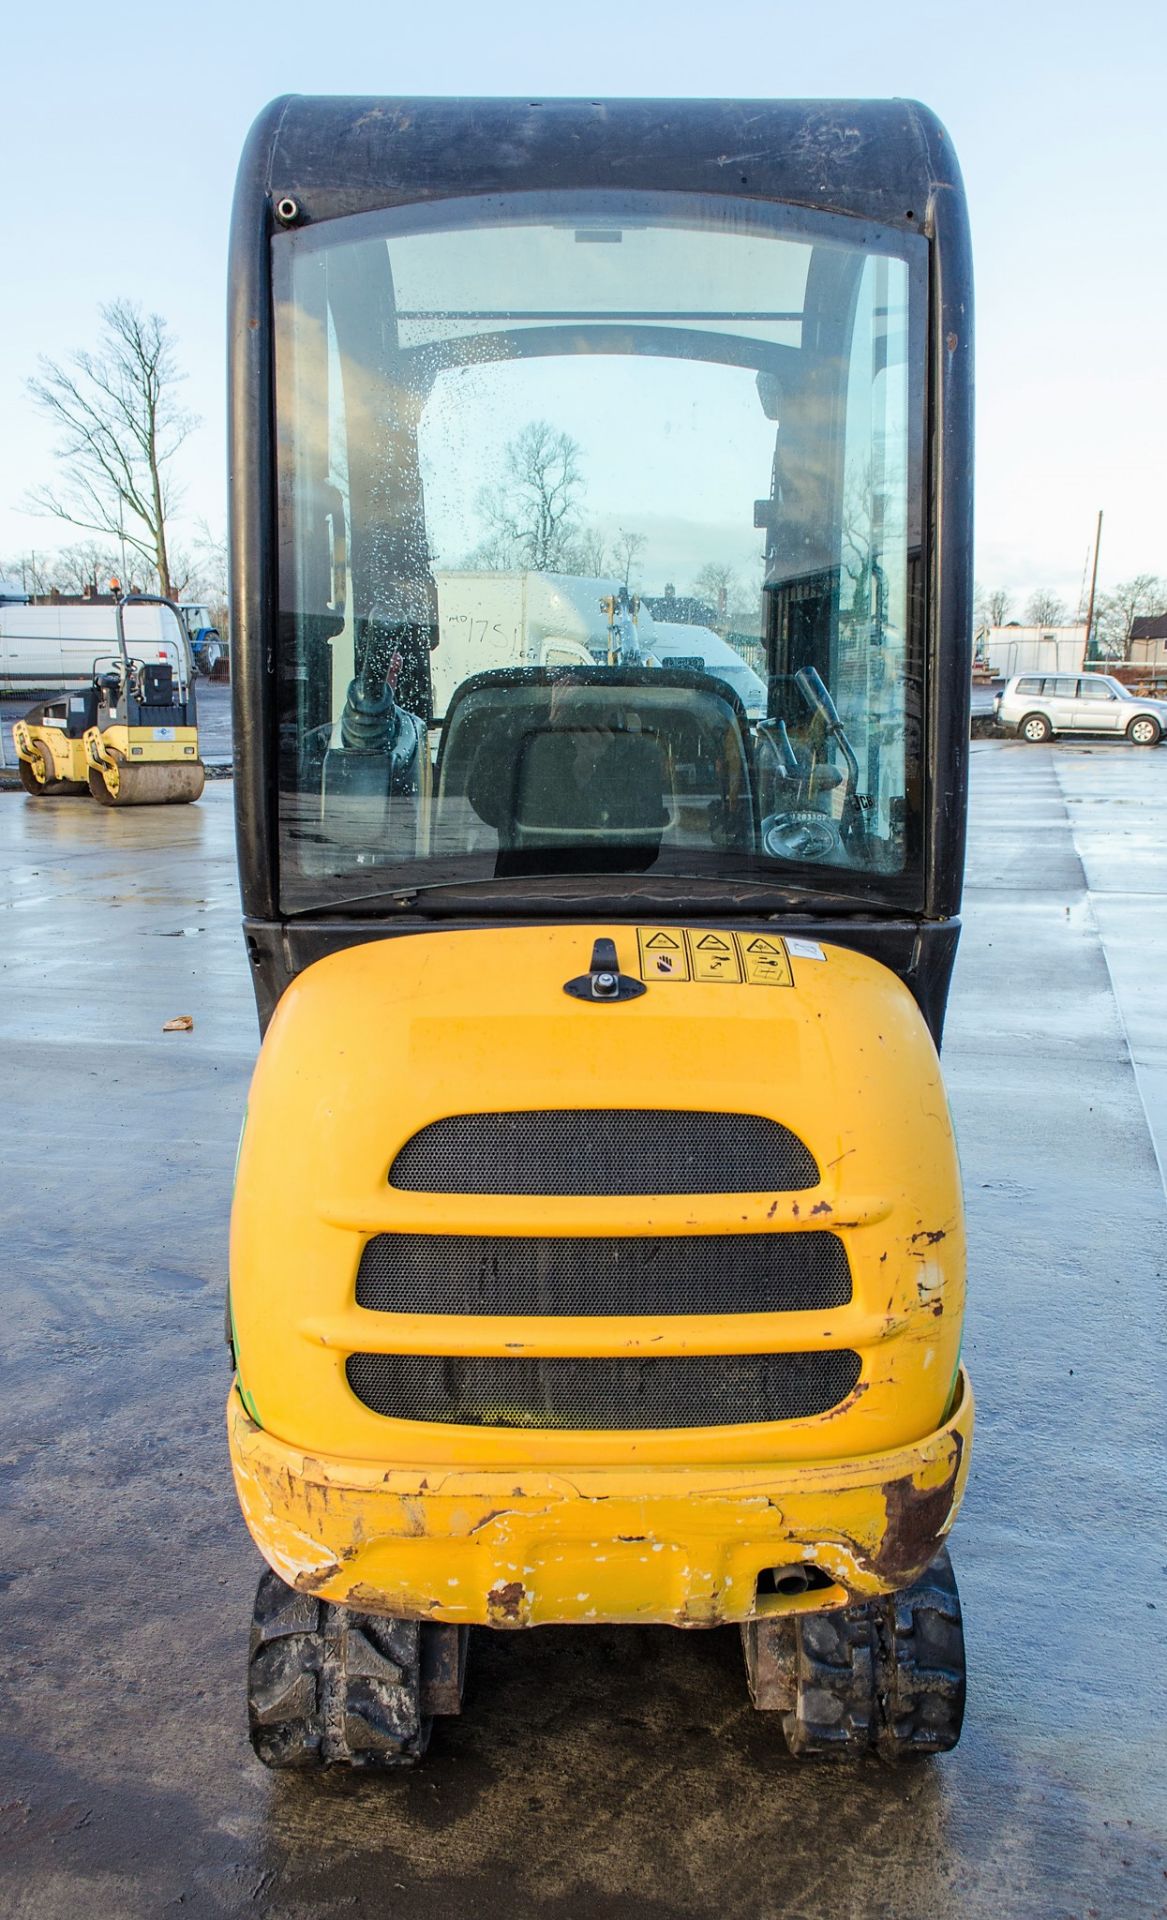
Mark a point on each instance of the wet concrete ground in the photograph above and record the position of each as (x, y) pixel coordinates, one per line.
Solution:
(596, 1773)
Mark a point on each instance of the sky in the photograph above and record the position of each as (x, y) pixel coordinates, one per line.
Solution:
(122, 128)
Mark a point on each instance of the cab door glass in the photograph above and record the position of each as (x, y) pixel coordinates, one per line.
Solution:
(595, 487)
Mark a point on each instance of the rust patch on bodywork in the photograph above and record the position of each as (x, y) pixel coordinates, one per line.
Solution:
(496, 1513)
(915, 1521)
(368, 1599)
(317, 1577)
(845, 1406)
(505, 1603)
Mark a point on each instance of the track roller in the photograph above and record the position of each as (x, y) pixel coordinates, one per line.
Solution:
(156, 783)
(886, 1676)
(328, 1686)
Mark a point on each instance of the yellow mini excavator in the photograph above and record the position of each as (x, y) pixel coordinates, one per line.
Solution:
(129, 738)
(597, 1251)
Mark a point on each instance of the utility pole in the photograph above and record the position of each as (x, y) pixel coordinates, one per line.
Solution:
(1093, 579)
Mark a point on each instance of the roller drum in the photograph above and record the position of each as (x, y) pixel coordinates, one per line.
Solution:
(49, 787)
(157, 783)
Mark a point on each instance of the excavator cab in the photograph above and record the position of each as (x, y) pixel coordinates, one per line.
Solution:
(597, 1248)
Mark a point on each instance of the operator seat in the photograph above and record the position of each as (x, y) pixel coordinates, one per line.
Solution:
(594, 766)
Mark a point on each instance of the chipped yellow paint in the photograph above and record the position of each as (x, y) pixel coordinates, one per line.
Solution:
(530, 1547)
(374, 1043)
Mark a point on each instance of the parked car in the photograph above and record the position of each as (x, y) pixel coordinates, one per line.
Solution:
(1039, 705)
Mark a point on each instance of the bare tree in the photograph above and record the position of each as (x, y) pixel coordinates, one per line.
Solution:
(991, 606)
(1115, 612)
(33, 570)
(198, 574)
(717, 584)
(87, 564)
(626, 551)
(121, 427)
(999, 605)
(532, 517)
(185, 574)
(589, 555)
(1045, 608)
(210, 571)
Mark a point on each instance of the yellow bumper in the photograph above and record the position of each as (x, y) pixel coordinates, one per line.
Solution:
(683, 1546)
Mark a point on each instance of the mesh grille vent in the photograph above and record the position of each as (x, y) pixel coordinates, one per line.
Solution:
(604, 1150)
(702, 1273)
(690, 1390)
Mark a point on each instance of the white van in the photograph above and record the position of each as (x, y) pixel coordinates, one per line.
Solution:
(523, 619)
(42, 648)
(702, 649)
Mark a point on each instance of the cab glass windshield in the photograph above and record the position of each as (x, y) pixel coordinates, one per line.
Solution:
(600, 549)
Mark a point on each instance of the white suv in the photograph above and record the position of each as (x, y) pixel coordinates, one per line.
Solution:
(1039, 705)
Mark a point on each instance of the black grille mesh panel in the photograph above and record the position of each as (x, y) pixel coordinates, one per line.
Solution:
(701, 1273)
(689, 1390)
(602, 1150)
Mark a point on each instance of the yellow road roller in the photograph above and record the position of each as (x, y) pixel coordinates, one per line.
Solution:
(129, 738)
(597, 1249)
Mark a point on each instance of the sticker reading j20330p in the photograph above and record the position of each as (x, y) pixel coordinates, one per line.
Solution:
(708, 955)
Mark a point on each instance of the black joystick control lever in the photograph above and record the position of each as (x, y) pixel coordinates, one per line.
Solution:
(604, 980)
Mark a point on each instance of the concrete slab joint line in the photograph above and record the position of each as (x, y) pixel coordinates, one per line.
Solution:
(1131, 928)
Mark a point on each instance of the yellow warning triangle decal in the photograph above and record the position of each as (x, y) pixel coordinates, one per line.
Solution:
(714, 940)
(761, 945)
(662, 940)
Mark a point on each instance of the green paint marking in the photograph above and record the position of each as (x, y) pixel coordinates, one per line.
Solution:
(951, 1403)
(249, 1404)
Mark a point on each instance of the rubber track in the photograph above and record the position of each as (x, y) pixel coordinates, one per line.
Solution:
(328, 1686)
(887, 1676)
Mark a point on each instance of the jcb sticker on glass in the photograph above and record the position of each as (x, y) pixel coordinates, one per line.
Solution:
(713, 956)
(663, 955)
(764, 960)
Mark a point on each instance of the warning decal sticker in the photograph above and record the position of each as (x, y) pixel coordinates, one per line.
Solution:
(663, 953)
(764, 959)
(714, 956)
(697, 953)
